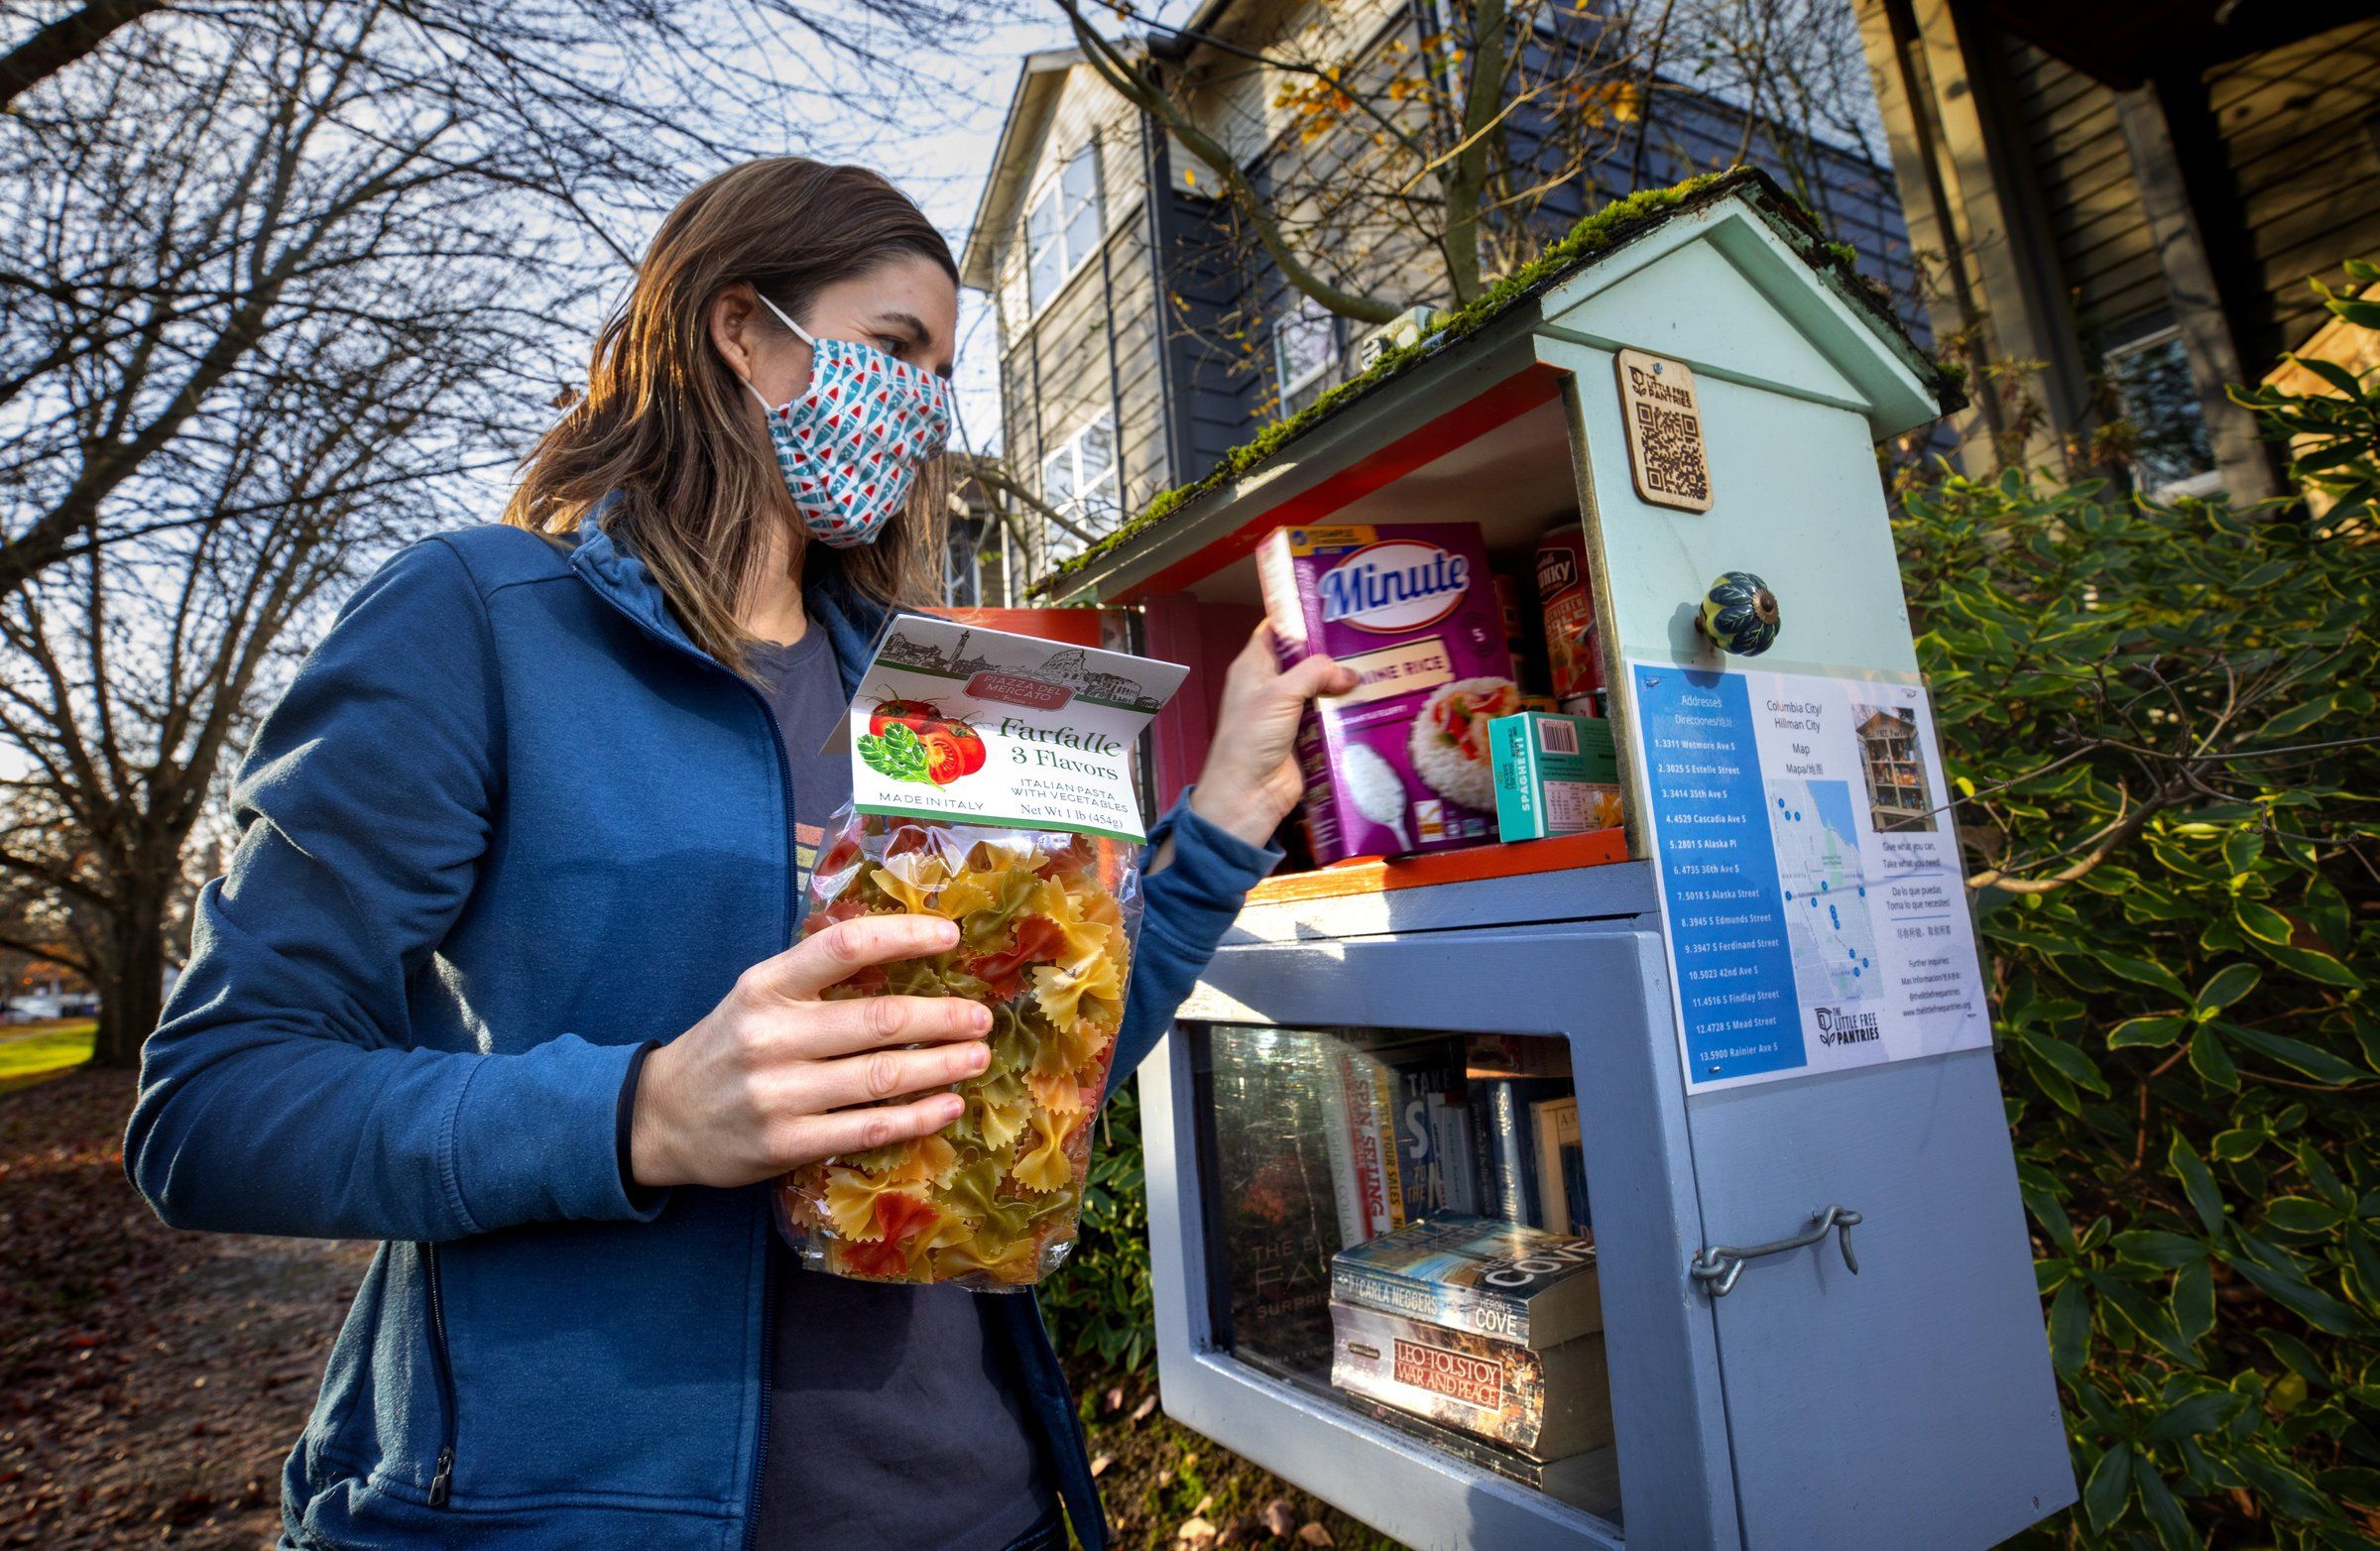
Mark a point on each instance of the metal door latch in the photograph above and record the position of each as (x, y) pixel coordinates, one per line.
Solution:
(1717, 1265)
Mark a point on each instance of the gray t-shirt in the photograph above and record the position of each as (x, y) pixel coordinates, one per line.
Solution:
(894, 1420)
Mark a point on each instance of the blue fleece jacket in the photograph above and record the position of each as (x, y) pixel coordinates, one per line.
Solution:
(506, 824)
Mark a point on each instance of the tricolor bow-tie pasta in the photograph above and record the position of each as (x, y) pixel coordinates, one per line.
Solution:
(1046, 921)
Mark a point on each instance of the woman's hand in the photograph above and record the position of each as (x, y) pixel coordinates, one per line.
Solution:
(1252, 780)
(768, 1080)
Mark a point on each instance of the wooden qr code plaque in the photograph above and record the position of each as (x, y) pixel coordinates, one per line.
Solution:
(1665, 431)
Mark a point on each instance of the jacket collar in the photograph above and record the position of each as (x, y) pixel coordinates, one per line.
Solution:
(610, 567)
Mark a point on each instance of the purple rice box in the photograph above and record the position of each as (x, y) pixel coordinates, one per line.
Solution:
(1401, 762)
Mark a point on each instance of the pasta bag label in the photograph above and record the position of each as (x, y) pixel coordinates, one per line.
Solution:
(956, 722)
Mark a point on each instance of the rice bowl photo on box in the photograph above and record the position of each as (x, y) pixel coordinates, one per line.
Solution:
(1450, 739)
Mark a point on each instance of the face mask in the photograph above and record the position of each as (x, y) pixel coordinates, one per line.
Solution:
(851, 445)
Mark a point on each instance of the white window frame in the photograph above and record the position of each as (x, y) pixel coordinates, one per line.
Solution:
(2206, 481)
(1077, 505)
(1302, 316)
(1053, 193)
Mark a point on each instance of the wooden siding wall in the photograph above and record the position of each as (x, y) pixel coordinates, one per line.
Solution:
(2100, 231)
(2300, 127)
(1092, 346)
(2286, 173)
(1202, 281)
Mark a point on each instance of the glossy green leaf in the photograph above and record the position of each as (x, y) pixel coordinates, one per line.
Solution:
(2197, 1183)
(2302, 1214)
(2109, 1487)
(2261, 921)
(2320, 1065)
(2199, 1413)
(2312, 963)
(2300, 1297)
(2151, 1248)
(2047, 1212)
(2165, 1512)
(2143, 1314)
(2363, 1264)
(2211, 1060)
(2194, 1300)
(2322, 1178)
(2229, 1147)
(2226, 986)
(2155, 1031)
(2069, 1063)
(2070, 1329)
(2284, 1488)
(2144, 972)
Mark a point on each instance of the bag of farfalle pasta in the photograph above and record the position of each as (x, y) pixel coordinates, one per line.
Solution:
(992, 785)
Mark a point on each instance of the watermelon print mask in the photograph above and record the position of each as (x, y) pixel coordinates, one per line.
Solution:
(851, 445)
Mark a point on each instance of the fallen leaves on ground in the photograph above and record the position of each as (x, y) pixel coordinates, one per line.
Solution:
(151, 1381)
(1168, 1488)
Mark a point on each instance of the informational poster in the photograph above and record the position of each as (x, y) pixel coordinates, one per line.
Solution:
(1810, 878)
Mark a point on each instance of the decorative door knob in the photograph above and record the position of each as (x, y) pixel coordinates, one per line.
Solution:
(1740, 615)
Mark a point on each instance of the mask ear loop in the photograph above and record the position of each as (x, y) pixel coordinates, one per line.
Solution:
(765, 407)
(788, 322)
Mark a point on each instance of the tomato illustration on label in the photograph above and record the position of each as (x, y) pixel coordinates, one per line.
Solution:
(911, 740)
(972, 752)
(944, 762)
(915, 714)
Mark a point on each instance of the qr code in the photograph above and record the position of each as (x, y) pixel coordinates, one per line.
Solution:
(1672, 440)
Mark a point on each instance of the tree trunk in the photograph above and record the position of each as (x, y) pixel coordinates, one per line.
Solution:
(131, 986)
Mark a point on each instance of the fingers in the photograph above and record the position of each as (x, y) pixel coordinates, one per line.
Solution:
(855, 1131)
(833, 1028)
(880, 1075)
(1317, 675)
(835, 954)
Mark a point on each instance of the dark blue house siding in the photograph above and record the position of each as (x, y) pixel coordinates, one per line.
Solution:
(1219, 282)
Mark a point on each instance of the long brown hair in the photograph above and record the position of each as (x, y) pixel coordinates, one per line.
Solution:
(667, 424)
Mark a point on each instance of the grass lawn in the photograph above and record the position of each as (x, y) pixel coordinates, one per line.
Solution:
(38, 1050)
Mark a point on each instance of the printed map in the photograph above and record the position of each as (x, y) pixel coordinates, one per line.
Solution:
(1825, 892)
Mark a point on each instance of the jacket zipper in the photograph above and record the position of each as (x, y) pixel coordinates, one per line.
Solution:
(443, 1477)
(769, 1250)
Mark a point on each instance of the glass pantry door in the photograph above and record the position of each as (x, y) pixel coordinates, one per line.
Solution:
(1243, 1219)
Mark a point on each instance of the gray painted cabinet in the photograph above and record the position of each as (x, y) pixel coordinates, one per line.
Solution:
(1909, 1406)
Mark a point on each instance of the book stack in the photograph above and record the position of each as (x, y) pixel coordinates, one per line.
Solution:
(1475, 1325)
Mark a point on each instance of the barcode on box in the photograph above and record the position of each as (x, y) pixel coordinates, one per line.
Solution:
(1557, 736)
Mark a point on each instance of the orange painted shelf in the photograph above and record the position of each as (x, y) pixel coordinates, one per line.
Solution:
(1376, 875)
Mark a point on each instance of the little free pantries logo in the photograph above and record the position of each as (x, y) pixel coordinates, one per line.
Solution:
(1394, 585)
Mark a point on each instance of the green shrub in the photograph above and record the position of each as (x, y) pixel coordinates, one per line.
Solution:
(2163, 720)
(1099, 1304)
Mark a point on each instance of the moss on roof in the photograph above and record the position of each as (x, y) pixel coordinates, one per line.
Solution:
(1595, 235)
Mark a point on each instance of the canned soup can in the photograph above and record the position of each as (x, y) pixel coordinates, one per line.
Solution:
(1572, 649)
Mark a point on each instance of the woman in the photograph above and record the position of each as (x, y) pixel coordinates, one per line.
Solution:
(498, 973)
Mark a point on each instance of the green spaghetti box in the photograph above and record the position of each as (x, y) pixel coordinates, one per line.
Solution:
(1554, 775)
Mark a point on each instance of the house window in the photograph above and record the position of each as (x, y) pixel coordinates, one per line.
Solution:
(2172, 455)
(1061, 228)
(1305, 346)
(1079, 480)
